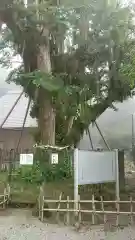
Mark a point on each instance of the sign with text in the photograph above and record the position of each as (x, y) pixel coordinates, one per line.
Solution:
(92, 167)
(26, 159)
(54, 158)
(96, 167)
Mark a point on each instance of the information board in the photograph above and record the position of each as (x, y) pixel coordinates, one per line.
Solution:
(54, 158)
(26, 159)
(92, 167)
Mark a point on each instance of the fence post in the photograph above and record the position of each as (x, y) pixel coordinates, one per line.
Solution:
(8, 191)
(102, 207)
(41, 204)
(118, 211)
(131, 210)
(58, 213)
(79, 208)
(8, 188)
(4, 200)
(93, 208)
(39, 207)
(42, 208)
(68, 217)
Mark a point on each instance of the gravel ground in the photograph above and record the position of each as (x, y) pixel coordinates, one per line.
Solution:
(20, 225)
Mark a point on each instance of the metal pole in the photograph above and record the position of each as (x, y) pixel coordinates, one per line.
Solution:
(90, 138)
(117, 176)
(24, 121)
(98, 98)
(102, 136)
(11, 109)
(132, 132)
(76, 179)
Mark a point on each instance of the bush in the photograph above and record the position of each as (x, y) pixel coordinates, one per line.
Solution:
(28, 174)
(42, 170)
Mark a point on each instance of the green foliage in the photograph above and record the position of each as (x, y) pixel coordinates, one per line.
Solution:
(56, 173)
(60, 171)
(42, 170)
(47, 81)
(28, 174)
(128, 65)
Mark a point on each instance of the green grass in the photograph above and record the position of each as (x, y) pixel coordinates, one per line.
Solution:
(26, 192)
(3, 181)
(20, 191)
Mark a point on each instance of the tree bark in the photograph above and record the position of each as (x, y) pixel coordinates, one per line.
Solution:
(46, 120)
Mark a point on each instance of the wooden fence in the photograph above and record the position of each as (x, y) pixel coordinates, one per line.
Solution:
(5, 197)
(116, 214)
(8, 157)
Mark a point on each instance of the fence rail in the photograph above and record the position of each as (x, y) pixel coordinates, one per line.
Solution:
(86, 201)
(77, 209)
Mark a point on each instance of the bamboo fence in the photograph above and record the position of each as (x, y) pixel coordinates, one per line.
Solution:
(5, 197)
(117, 212)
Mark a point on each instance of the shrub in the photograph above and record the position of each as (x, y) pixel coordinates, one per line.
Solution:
(28, 174)
(42, 170)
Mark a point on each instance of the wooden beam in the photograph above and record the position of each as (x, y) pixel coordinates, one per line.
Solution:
(24, 121)
(102, 136)
(12, 108)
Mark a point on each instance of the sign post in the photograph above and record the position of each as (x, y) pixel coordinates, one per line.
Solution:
(92, 167)
(76, 178)
(117, 175)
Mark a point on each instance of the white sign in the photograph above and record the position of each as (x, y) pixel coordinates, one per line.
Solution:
(54, 158)
(26, 159)
(95, 167)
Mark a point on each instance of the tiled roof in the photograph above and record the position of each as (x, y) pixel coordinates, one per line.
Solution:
(15, 120)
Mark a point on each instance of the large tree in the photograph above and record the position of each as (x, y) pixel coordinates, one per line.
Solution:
(72, 56)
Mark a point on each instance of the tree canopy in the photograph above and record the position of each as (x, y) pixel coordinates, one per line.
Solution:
(72, 55)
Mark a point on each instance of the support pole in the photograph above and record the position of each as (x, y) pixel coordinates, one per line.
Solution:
(24, 121)
(102, 136)
(132, 132)
(90, 138)
(117, 175)
(17, 100)
(76, 180)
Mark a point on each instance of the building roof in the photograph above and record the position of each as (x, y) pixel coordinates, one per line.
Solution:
(16, 118)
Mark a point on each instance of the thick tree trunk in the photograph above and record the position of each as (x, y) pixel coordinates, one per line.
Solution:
(46, 120)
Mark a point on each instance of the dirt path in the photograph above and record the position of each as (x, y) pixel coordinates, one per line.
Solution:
(20, 225)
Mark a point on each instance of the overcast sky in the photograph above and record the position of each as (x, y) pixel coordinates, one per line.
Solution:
(3, 75)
